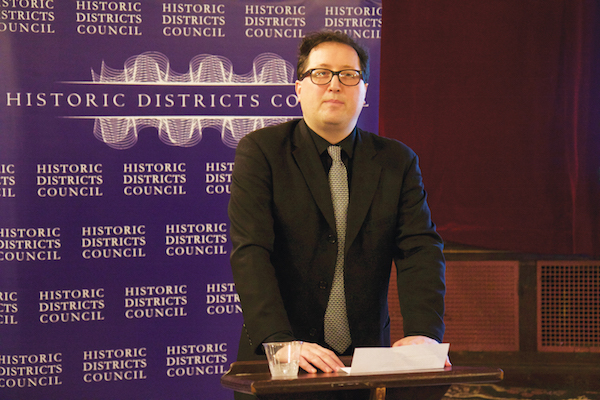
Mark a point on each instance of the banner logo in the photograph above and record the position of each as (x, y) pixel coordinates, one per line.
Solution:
(148, 93)
(205, 70)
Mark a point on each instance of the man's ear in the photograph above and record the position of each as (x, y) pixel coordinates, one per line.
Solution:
(298, 88)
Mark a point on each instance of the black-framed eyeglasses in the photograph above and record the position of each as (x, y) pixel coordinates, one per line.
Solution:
(322, 76)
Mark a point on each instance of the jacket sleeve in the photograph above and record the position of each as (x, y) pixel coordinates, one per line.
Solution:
(252, 235)
(419, 261)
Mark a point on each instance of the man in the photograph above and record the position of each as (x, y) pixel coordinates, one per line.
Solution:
(288, 260)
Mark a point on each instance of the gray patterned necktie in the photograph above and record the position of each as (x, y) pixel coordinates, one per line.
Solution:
(337, 331)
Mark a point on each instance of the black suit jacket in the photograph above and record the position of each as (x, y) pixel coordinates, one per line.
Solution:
(284, 239)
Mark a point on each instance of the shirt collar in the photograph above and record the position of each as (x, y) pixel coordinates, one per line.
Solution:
(347, 144)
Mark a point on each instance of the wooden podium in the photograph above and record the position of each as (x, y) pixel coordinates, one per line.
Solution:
(253, 377)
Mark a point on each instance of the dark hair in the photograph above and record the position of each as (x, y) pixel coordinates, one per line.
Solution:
(314, 39)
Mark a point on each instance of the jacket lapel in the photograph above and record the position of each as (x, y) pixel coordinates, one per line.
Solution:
(365, 179)
(311, 167)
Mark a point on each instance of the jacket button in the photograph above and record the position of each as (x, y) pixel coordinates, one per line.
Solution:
(332, 239)
(313, 332)
(323, 285)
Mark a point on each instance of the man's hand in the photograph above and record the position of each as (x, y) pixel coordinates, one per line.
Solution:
(314, 356)
(410, 340)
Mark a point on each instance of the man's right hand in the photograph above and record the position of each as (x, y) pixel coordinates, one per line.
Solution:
(313, 357)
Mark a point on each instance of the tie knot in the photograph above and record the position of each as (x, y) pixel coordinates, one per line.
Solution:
(335, 152)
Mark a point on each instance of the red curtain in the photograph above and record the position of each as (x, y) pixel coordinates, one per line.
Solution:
(499, 100)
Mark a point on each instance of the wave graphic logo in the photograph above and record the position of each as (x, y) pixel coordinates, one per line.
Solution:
(152, 69)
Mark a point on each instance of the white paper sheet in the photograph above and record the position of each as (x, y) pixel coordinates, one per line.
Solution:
(380, 360)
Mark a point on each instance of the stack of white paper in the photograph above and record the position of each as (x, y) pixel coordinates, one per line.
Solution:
(378, 360)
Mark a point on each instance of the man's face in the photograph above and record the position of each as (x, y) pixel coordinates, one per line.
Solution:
(331, 110)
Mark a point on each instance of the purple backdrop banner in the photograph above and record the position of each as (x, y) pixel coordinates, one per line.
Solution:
(118, 127)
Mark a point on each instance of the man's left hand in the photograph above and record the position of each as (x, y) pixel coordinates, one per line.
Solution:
(412, 340)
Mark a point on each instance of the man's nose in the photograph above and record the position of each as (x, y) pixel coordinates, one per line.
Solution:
(335, 83)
